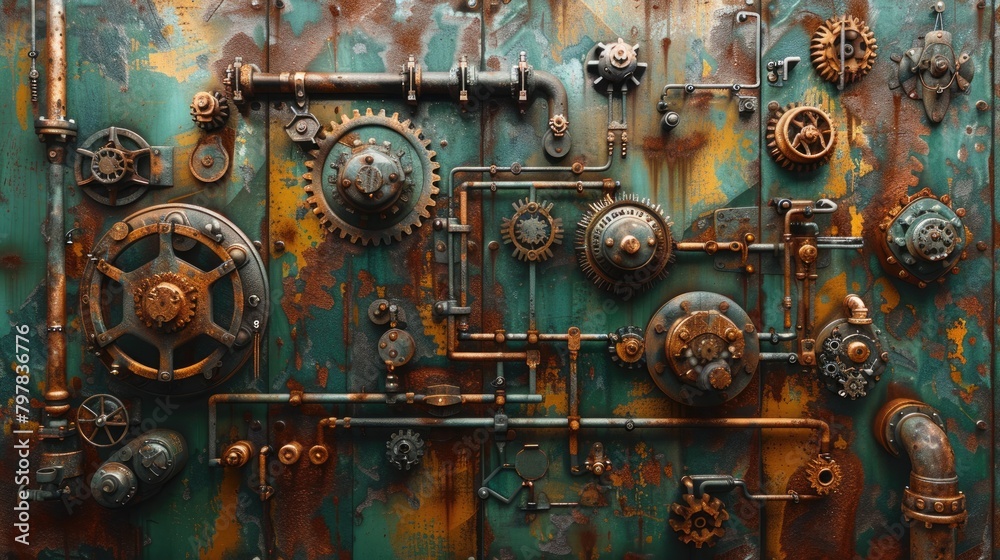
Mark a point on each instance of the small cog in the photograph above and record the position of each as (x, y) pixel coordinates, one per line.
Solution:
(532, 230)
(853, 384)
(700, 520)
(372, 178)
(627, 347)
(404, 449)
(824, 475)
(858, 47)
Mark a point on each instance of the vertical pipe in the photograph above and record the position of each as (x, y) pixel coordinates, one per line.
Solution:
(54, 131)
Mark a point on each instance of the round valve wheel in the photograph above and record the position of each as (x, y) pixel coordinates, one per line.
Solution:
(174, 299)
(113, 166)
(102, 420)
(800, 138)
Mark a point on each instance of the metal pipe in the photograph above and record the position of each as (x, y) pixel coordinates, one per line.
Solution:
(252, 81)
(338, 398)
(54, 130)
(932, 502)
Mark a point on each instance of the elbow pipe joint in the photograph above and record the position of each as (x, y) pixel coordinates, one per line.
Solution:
(932, 502)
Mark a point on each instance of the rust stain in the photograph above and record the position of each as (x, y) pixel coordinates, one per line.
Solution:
(11, 261)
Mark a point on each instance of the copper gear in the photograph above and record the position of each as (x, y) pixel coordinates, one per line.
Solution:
(166, 300)
(382, 226)
(532, 230)
(824, 475)
(800, 138)
(700, 520)
(859, 49)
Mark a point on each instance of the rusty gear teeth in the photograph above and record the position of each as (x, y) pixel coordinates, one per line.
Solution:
(371, 192)
(700, 520)
(532, 230)
(859, 48)
(824, 475)
(800, 138)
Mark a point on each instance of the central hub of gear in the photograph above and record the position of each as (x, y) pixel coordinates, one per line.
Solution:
(166, 301)
(625, 244)
(932, 238)
(109, 165)
(375, 190)
(372, 177)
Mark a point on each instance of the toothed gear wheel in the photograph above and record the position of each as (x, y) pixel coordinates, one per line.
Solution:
(853, 384)
(372, 178)
(700, 520)
(167, 301)
(800, 138)
(404, 449)
(209, 110)
(859, 48)
(851, 359)
(532, 230)
(823, 474)
(624, 244)
(627, 347)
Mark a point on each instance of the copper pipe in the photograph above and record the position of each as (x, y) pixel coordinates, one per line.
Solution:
(932, 502)
(54, 130)
(856, 310)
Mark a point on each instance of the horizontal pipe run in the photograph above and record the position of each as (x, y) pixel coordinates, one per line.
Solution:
(542, 337)
(339, 398)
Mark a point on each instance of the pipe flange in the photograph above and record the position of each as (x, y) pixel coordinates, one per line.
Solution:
(891, 416)
(935, 510)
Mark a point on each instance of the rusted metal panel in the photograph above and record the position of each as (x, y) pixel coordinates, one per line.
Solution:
(445, 246)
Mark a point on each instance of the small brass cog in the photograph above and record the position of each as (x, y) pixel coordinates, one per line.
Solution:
(858, 45)
(532, 230)
(800, 138)
(700, 520)
(824, 475)
(372, 178)
(166, 301)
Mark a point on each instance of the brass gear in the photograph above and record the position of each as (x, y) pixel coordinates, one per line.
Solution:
(532, 230)
(859, 49)
(824, 475)
(166, 300)
(700, 520)
(800, 138)
(371, 190)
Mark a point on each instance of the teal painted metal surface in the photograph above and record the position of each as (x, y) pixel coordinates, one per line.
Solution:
(138, 65)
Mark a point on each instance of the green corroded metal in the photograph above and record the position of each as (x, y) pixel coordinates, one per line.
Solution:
(137, 66)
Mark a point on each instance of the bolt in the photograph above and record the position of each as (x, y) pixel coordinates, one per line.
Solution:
(369, 160)
(609, 242)
(981, 425)
(393, 336)
(253, 300)
(982, 105)
(493, 245)
(301, 127)
(207, 161)
(630, 244)
(345, 183)
(279, 246)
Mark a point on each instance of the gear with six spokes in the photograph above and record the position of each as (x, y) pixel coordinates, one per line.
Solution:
(844, 38)
(700, 520)
(532, 230)
(372, 178)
